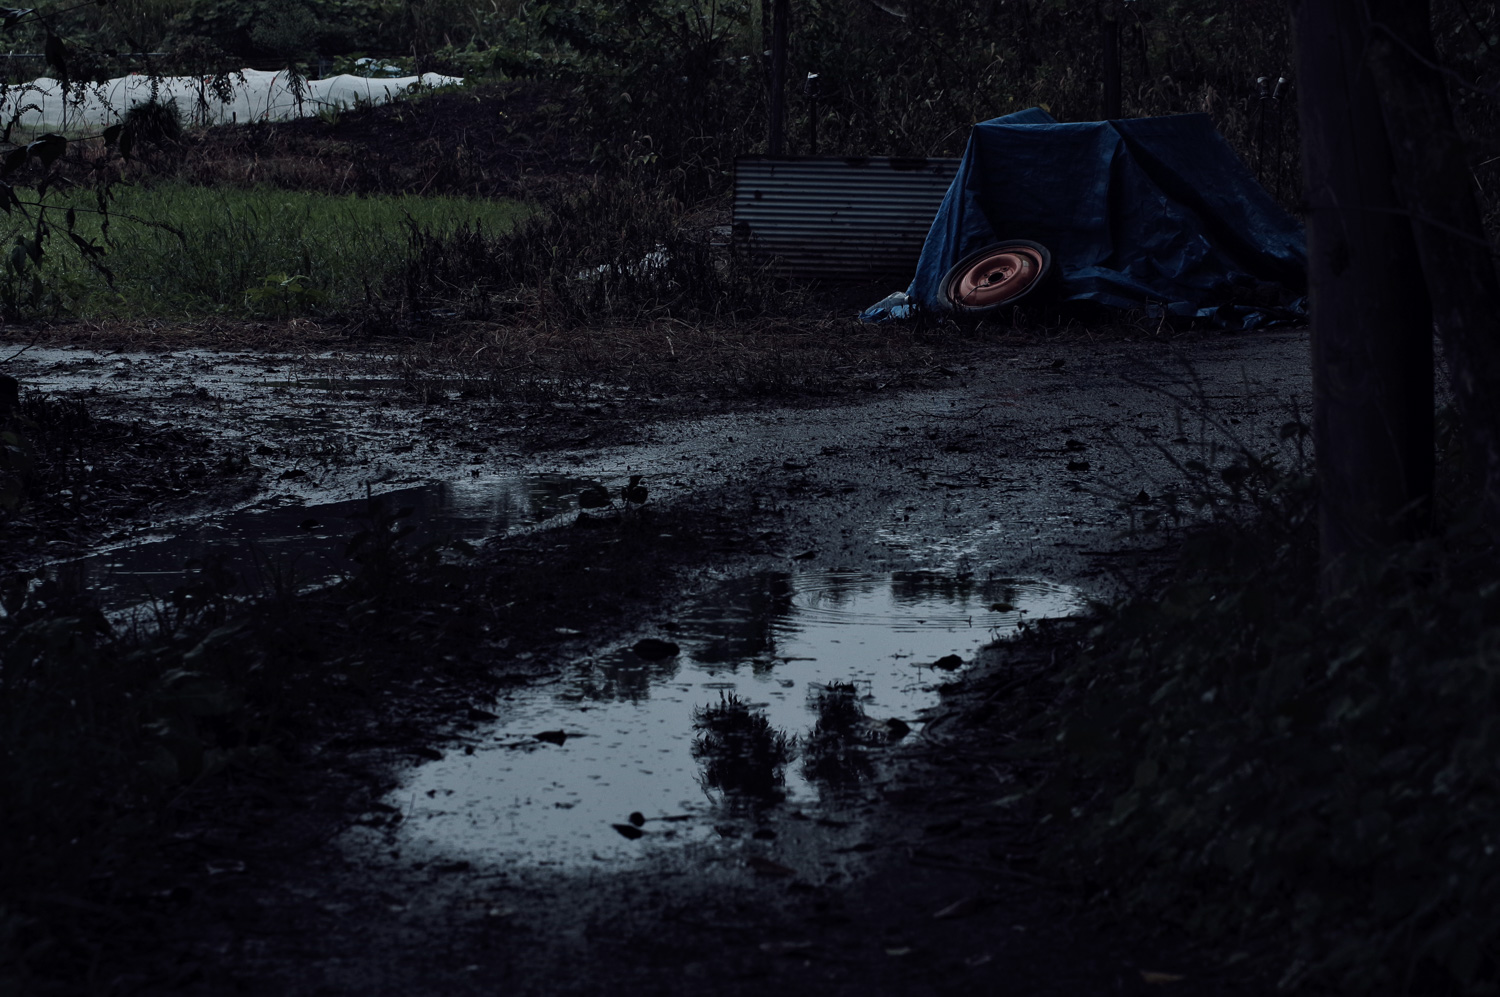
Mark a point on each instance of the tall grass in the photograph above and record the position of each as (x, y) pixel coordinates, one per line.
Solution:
(181, 251)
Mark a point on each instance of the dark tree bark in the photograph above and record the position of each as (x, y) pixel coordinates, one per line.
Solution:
(1436, 186)
(1371, 322)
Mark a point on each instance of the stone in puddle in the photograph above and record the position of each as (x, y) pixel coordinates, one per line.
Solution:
(653, 649)
(593, 497)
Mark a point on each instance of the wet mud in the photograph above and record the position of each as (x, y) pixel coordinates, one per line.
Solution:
(815, 564)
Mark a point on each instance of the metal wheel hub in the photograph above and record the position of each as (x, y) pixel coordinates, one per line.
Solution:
(997, 277)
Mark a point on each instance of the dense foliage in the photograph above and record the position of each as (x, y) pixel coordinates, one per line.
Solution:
(1276, 771)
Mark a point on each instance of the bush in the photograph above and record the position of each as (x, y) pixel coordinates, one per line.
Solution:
(612, 248)
(1247, 760)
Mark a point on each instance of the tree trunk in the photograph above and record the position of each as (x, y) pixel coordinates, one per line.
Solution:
(1438, 193)
(1371, 322)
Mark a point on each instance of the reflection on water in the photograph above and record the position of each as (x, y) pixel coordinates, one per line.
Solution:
(837, 755)
(742, 756)
(307, 542)
(834, 660)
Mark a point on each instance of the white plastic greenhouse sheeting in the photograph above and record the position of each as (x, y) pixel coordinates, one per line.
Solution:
(256, 96)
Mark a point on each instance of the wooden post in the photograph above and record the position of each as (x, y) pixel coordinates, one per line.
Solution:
(1111, 62)
(781, 15)
(1371, 322)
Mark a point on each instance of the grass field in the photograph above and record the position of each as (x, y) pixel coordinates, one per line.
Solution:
(179, 251)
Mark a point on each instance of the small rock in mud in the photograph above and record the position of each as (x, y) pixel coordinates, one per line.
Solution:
(655, 649)
(593, 497)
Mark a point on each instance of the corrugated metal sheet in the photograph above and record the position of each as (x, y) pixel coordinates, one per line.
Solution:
(835, 217)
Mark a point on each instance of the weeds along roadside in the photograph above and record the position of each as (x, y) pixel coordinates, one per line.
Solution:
(1229, 757)
(617, 248)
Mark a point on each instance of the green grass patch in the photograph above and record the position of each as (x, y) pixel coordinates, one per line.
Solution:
(259, 252)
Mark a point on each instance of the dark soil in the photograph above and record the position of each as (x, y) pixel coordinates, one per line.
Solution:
(88, 477)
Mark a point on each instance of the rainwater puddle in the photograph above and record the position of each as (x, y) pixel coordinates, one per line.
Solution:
(309, 540)
(775, 641)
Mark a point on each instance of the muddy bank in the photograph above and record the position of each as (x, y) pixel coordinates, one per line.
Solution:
(1031, 459)
(307, 878)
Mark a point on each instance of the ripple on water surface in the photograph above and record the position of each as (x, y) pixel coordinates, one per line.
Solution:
(775, 641)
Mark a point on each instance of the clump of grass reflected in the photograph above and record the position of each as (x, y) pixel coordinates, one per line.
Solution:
(836, 757)
(741, 753)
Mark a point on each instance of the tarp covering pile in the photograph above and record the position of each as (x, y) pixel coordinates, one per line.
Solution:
(1152, 213)
(45, 104)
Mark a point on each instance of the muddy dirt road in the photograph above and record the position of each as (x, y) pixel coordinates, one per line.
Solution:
(864, 539)
(1026, 465)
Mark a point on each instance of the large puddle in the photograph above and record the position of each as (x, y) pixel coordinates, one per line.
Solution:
(623, 735)
(306, 543)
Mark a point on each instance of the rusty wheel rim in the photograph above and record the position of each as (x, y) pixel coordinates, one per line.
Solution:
(997, 277)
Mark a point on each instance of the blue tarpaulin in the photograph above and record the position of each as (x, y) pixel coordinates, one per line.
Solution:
(1153, 213)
